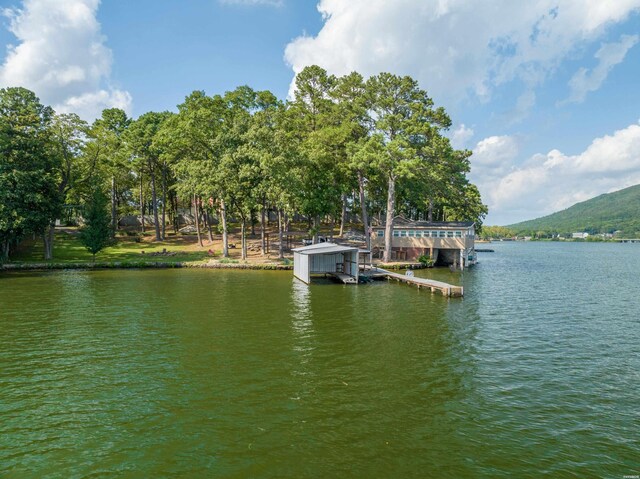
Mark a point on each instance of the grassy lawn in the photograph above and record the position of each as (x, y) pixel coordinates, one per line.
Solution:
(69, 249)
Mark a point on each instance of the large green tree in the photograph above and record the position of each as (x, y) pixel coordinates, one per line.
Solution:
(406, 126)
(29, 196)
(106, 157)
(68, 138)
(193, 142)
(146, 152)
(312, 117)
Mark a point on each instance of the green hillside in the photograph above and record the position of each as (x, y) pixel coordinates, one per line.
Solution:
(603, 214)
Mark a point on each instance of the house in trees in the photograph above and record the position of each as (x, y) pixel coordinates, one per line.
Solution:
(446, 243)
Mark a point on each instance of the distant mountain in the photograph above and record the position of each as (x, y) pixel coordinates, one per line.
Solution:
(603, 214)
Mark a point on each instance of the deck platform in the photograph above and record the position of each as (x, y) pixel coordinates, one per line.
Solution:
(445, 288)
(345, 278)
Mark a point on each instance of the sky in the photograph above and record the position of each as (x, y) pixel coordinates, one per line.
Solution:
(544, 92)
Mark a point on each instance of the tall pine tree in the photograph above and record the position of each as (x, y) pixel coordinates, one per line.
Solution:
(96, 232)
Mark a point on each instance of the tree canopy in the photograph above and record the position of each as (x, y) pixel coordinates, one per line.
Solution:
(343, 149)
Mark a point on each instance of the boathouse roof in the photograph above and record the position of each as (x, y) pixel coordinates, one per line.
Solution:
(402, 222)
(324, 248)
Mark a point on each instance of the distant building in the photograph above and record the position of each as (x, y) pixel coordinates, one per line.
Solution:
(580, 235)
(446, 243)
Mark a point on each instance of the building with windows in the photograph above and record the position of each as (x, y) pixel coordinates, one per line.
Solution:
(446, 243)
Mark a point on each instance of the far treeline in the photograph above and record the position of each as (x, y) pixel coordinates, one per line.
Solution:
(342, 145)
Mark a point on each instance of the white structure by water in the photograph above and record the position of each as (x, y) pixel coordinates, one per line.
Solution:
(326, 258)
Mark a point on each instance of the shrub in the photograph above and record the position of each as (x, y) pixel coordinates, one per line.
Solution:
(425, 260)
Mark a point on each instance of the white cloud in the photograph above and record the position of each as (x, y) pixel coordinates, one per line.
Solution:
(608, 56)
(461, 136)
(456, 47)
(550, 182)
(495, 151)
(271, 3)
(62, 57)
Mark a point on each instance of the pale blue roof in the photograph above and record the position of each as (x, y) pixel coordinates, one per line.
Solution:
(324, 248)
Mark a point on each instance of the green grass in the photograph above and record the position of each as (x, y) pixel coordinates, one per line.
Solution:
(228, 261)
(69, 249)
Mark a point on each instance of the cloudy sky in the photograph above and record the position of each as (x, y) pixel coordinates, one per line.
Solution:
(545, 92)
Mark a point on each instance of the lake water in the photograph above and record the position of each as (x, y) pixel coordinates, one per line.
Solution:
(206, 373)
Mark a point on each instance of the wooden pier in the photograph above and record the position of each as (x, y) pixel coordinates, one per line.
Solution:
(433, 285)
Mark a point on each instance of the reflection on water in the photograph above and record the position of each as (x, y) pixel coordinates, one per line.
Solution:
(253, 374)
(300, 295)
(302, 327)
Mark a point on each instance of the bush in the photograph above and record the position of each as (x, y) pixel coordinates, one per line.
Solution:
(426, 260)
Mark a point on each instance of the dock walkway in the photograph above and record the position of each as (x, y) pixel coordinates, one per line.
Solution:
(445, 288)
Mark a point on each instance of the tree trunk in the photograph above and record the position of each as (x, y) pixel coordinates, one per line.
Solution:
(154, 199)
(174, 209)
(316, 228)
(344, 214)
(430, 210)
(225, 233)
(207, 221)
(164, 201)
(244, 238)
(263, 226)
(391, 204)
(252, 216)
(48, 241)
(280, 235)
(4, 252)
(363, 207)
(114, 210)
(197, 217)
(141, 204)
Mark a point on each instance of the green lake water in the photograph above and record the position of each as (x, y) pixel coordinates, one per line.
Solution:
(208, 373)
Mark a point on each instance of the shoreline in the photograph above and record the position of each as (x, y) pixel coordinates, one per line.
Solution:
(139, 265)
(100, 265)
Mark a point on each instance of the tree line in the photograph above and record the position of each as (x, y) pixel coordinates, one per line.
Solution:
(369, 147)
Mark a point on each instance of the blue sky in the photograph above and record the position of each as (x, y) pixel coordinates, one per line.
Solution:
(544, 92)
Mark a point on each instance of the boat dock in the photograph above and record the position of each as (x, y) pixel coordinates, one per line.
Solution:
(345, 278)
(445, 288)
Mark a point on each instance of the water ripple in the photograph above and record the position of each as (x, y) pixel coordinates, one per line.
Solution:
(252, 374)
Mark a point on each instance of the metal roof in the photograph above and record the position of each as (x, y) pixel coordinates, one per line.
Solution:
(428, 224)
(324, 248)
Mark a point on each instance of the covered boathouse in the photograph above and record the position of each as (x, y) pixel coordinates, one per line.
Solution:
(327, 258)
(445, 242)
